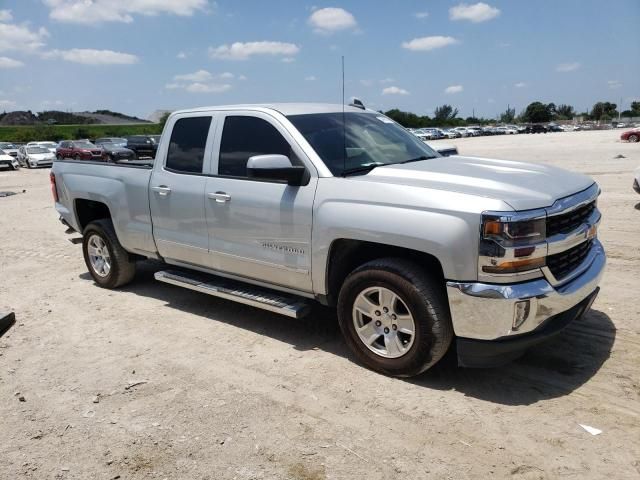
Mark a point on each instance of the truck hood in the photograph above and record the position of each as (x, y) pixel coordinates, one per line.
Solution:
(523, 186)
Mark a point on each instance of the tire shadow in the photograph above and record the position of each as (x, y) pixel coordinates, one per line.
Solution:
(549, 370)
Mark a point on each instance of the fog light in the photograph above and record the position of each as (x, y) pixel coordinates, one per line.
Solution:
(521, 313)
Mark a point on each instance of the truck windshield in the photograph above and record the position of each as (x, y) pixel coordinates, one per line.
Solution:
(368, 140)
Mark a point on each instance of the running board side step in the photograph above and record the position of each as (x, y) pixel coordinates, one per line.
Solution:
(277, 302)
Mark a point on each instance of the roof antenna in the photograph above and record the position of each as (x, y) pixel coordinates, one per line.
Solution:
(344, 133)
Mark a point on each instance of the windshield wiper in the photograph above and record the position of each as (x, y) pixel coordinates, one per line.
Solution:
(364, 169)
(417, 159)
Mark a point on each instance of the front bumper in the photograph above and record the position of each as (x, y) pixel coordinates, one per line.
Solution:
(486, 312)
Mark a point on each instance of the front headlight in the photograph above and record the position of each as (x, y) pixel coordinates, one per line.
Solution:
(511, 246)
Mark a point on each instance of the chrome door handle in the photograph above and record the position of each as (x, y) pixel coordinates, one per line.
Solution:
(162, 190)
(219, 197)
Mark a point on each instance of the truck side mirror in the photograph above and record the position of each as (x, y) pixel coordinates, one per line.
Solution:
(275, 167)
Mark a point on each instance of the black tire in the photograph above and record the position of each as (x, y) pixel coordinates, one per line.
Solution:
(123, 268)
(425, 299)
(634, 138)
(76, 157)
(28, 163)
(59, 157)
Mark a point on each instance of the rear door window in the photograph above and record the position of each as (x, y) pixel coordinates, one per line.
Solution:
(187, 144)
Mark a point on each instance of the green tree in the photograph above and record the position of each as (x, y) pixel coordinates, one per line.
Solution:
(604, 111)
(408, 119)
(538, 112)
(163, 119)
(444, 114)
(635, 109)
(565, 112)
(508, 116)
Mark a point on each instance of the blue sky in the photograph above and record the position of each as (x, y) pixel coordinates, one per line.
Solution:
(137, 56)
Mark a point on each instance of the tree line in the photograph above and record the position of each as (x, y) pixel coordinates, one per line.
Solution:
(535, 112)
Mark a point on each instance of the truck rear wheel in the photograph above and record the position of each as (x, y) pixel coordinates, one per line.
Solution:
(394, 317)
(109, 264)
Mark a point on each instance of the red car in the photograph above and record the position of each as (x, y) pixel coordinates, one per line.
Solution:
(632, 136)
(78, 150)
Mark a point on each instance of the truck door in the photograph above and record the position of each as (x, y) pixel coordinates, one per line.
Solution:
(259, 229)
(177, 187)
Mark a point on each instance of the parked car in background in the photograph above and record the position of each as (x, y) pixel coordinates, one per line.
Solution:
(554, 128)
(78, 150)
(443, 149)
(450, 133)
(9, 148)
(51, 146)
(463, 131)
(536, 128)
(7, 160)
(112, 152)
(142, 145)
(632, 136)
(476, 131)
(507, 130)
(35, 156)
(120, 142)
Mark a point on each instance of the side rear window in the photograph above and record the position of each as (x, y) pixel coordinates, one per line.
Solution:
(244, 137)
(187, 144)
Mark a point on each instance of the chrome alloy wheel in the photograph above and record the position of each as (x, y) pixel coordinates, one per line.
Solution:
(99, 255)
(383, 322)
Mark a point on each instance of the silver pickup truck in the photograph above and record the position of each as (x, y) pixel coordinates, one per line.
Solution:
(280, 205)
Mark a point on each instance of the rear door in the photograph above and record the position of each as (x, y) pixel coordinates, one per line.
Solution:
(177, 190)
(259, 229)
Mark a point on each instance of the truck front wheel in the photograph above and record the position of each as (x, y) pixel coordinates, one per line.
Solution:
(394, 317)
(109, 264)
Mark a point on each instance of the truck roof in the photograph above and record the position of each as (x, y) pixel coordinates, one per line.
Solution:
(283, 108)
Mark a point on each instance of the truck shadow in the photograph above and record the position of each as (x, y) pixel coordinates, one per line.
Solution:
(550, 370)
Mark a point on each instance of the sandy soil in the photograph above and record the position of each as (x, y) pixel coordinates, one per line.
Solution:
(152, 381)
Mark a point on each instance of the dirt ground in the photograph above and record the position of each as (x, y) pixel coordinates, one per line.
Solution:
(153, 381)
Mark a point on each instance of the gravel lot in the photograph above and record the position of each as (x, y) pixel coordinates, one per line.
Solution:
(153, 381)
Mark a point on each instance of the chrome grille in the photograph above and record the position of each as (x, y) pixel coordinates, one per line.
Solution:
(567, 222)
(562, 264)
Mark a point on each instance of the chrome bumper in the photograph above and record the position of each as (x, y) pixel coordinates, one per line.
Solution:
(487, 311)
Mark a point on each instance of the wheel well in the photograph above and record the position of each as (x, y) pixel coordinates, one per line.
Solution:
(89, 210)
(347, 255)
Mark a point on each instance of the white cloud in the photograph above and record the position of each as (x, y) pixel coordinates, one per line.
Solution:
(181, 55)
(366, 82)
(568, 67)
(387, 80)
(6, 62)
(243, 51)
(424, 44)
(89, 56)
(288, 60)
(7, 104)
(201, 81)
(242, 78)
(207, 87)
(98, 11)
(21, 38)
(199, 76)
(453, 89)
(329, 20)
(614, 83)
(476, 13)
(5, 16)
(394, 91)
(310, 78)
(520, 85)
(421, 15)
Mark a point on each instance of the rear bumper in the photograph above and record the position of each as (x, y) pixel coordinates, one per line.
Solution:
(493, 353)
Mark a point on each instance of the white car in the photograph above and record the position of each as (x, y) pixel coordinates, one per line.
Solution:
(51, 146)
(35, 156)
(9, 148)
(7, 160)
(507, 130)
(464, 132)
